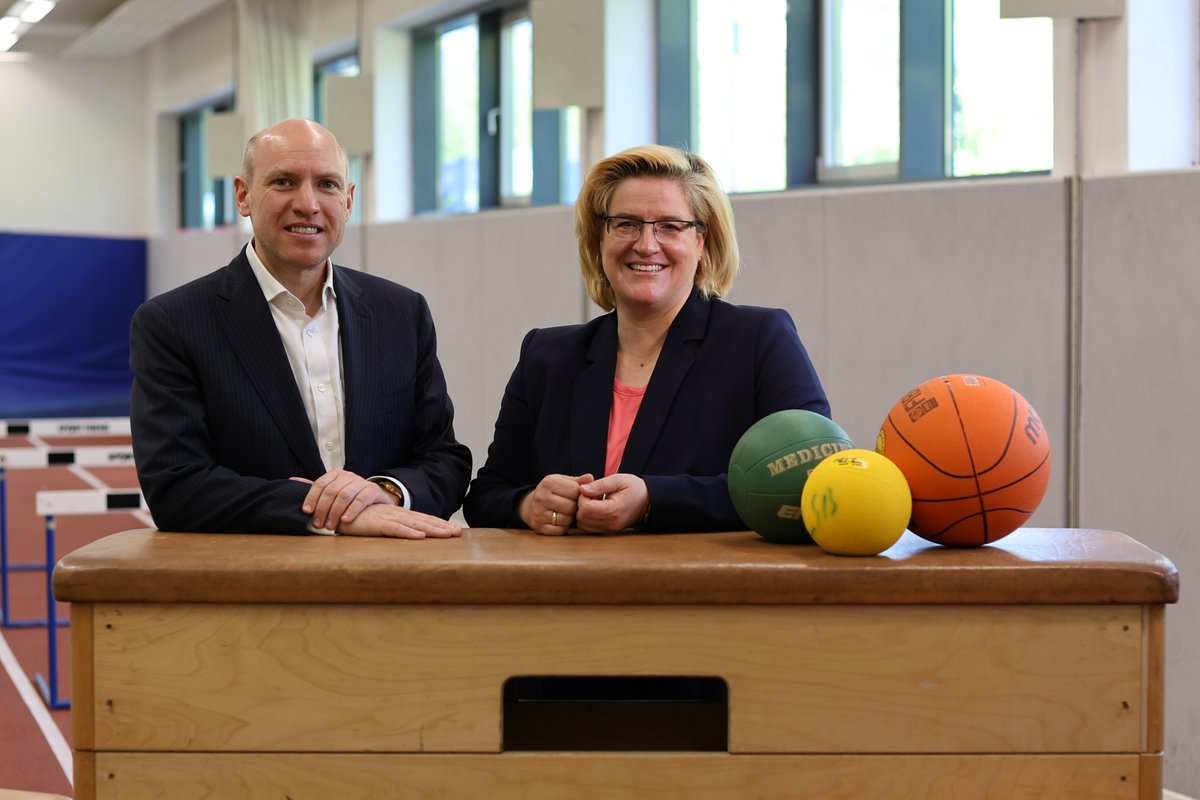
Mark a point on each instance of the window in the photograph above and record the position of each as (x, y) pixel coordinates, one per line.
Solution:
(477, 140)
(786, 94)
(861, 89)
(736, 82)
(1003, 106)
(516, 109)
(204, 202)
(446, 116)
(458, 128)
(740, 87)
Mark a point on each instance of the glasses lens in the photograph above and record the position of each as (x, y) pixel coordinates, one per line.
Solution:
(669, 230)
(624, 228)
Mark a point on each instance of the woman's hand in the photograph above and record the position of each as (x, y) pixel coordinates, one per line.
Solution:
(613, 503)
(550, 508)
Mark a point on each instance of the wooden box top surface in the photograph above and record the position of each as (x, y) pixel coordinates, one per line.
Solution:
(493, 566)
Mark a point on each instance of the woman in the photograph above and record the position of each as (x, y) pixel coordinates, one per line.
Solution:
(628, 421)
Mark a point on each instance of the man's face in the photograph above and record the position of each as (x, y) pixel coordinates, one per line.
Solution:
(298, 197)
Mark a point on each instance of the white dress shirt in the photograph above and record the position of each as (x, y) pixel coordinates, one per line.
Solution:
(314, 352)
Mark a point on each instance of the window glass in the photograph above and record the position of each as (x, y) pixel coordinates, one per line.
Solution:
(571, 148)
(516, 112)
(458, 131)
(204, 202)
(740, 80)
(1003, 91)
(861, 124)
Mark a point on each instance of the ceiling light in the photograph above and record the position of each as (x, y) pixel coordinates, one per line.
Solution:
(7, 40)
(9, 25)
(37, 10)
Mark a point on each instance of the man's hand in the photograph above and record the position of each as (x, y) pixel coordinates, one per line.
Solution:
(399, 523)
(338, 497)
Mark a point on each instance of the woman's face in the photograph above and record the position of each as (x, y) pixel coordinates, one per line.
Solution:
(649, 275)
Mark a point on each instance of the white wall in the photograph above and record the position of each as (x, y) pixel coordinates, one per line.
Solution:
(74, 139)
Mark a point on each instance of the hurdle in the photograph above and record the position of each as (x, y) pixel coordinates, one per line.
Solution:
(78, 426)
(51, 504)
(41, 457)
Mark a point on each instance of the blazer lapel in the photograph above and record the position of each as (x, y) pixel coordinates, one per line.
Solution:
(358, 352)
(246, 322)
(676, 359)
(592, 400)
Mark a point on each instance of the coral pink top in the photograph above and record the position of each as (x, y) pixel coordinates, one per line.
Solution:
(625, 404)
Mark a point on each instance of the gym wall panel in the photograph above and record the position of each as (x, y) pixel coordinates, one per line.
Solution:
(1141, 348)
(488, 278)
(182, 257)
(535, 284)
(782, 241)
(442, 258)
(951, 277)
(65, 309)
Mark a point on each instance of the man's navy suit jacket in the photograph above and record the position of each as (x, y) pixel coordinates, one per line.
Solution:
(219, 425)
(722, 368)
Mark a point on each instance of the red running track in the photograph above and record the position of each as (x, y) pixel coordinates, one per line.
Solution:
(28, 760)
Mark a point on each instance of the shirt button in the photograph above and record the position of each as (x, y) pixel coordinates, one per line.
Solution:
(329, 445)
(310, 331)
(320, 387)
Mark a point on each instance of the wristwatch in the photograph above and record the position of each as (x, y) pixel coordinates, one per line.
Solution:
(391, 487)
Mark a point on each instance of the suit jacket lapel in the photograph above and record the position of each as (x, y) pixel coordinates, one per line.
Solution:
(592, 400)
(359, 345)
(676, 359)
(246, 322)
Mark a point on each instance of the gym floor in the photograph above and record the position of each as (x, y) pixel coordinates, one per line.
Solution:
(35, 741)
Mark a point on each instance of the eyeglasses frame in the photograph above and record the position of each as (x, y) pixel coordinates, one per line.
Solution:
(694, 224)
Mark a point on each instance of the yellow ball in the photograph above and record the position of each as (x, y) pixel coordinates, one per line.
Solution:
(856, 503)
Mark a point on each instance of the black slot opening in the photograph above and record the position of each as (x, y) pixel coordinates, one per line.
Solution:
(655, 713)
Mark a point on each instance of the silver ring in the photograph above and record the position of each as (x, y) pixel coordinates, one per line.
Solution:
(554, 518)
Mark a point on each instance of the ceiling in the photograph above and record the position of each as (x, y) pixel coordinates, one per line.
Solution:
(105, 28)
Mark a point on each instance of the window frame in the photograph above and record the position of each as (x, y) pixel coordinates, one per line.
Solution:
(550, 161)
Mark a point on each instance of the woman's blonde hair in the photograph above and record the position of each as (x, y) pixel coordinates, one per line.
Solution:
(710, 206)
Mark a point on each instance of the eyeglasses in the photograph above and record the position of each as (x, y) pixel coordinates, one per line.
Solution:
(665, 230)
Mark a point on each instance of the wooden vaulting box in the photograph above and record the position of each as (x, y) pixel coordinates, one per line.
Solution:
(238, 666)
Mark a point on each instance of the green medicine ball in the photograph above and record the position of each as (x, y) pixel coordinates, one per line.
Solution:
(770, 464)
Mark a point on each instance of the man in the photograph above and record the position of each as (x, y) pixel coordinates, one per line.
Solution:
(283, 394)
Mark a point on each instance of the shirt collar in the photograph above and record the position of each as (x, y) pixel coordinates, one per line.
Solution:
(270, 285)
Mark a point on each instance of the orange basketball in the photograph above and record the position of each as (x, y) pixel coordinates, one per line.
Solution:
(975, 455)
